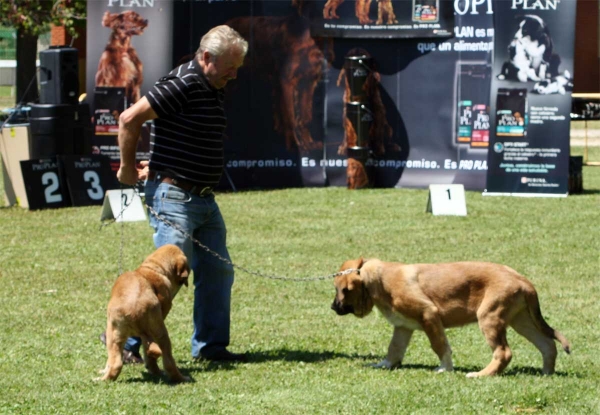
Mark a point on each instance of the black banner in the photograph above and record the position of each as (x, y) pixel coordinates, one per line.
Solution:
(531, 98)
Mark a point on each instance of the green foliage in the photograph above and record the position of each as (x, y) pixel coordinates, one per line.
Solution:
(57, 268)
(35, 16)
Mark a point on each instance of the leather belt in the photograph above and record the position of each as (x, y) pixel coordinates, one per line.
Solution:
(182, 184)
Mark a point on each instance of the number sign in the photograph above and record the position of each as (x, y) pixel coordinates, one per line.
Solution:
(88, 178)
(123, 206)
(447, 199)
(43, 184)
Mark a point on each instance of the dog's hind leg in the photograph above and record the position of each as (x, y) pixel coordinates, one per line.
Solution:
(396, 349)
(114, 364)
(493, 327)
(526, 327)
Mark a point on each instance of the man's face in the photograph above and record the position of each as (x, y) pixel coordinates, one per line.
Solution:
(221, 69)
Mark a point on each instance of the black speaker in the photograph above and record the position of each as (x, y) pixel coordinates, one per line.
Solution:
(51, 130)
(59, 76)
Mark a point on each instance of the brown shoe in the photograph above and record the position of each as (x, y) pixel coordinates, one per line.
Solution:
(128, 357)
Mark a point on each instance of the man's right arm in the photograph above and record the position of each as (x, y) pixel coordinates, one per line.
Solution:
(130, 128)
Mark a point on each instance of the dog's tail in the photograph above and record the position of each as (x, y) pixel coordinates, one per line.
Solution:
(533, 304)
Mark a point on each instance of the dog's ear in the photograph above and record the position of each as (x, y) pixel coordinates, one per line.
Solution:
(184, 280)
(183, 270)
(361, 261)
(106, 19)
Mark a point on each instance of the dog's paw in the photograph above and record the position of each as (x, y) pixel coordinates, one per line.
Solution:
(473, 375)
(181, 379)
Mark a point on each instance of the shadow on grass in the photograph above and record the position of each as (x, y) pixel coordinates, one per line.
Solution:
(515, 371)
(585, 192)
(316, 357)
(149, 378)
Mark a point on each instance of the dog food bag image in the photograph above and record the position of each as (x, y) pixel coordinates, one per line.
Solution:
(511, 112)
(470, 79)
(464, 112)
(425, 11)
(480, 132)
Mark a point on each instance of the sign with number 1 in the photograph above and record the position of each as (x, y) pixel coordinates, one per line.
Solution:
(447, 199)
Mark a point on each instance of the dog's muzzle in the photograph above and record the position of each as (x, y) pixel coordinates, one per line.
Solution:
(341, 309)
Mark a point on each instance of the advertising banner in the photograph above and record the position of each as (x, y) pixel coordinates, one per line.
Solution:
(381, 19)
(308, 110)
(293, 119)
(531, 98)
(129, 47)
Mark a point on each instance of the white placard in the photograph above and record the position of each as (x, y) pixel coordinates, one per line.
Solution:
(123, 205)
(447, 199)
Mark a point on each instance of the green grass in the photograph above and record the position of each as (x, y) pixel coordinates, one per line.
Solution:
(7, 99)
(57, 268)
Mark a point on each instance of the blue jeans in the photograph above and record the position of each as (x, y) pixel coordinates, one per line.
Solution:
(213, 278)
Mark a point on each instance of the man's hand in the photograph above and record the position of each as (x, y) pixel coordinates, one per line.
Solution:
(131, 175)
(143, 169)
(127, 175)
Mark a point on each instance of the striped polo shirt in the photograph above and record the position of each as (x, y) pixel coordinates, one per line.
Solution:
(186, 140)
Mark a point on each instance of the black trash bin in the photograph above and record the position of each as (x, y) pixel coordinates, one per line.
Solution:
(51, 130)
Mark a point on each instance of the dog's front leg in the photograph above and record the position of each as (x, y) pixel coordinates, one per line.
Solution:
(433, 327)
(396, 349)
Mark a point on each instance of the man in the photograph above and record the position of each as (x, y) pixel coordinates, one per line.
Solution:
(186, 163)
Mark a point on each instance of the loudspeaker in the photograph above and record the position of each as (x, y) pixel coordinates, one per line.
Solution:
(59, 75)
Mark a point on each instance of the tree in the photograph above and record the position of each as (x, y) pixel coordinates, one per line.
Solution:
(31, 18)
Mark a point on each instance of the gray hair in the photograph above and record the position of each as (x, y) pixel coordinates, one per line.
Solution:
(219, 39)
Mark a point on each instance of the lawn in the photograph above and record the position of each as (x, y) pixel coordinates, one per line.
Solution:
(57, 268)
(7, 99)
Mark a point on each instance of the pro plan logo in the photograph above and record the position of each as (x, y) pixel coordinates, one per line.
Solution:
(359, 73)
(535, 4)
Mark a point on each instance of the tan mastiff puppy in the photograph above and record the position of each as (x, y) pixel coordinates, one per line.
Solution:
(433, 297)
(139, 303)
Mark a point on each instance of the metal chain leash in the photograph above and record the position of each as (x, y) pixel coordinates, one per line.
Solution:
(124, 206)
(217, 255)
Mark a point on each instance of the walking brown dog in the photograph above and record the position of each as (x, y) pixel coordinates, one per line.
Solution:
(433, 297)
(139, 303)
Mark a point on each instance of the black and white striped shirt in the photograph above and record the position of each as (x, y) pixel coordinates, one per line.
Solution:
(187, 137)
